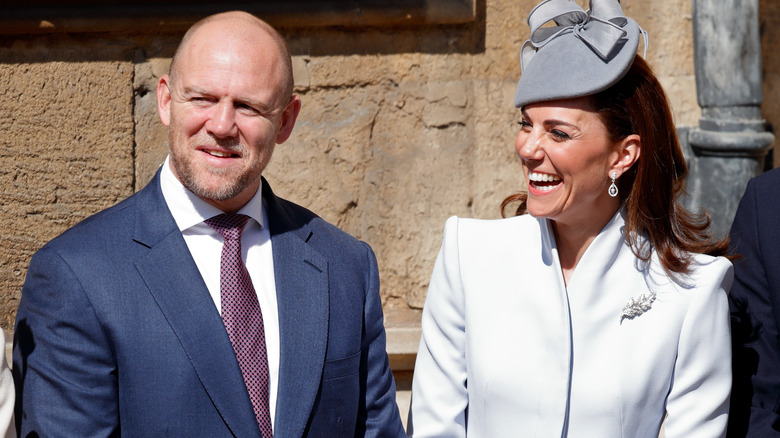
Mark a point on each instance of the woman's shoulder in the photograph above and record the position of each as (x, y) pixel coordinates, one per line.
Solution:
(710, 269)
(489, 235)
(473, 226)
(707, 265)
(705, 273)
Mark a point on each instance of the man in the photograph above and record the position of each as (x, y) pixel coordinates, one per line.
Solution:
(755, 311)
(152, 319)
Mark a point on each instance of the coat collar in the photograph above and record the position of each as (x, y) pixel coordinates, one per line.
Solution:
(600, 254)
(301, 275)
(175, 283)
(302, 294)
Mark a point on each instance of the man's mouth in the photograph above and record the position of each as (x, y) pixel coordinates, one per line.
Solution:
(543, 181)
(221, 154)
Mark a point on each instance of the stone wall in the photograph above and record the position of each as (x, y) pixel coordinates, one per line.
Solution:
(401, 127)
(769, 28)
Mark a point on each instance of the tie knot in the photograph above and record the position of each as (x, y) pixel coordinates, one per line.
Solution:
(229, 225)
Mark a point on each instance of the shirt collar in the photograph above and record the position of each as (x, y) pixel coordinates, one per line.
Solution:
(189, 210)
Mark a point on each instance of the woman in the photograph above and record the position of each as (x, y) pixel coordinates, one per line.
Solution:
(603, 313)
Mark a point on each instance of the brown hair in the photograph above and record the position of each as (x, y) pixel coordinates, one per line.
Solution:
(650, 189)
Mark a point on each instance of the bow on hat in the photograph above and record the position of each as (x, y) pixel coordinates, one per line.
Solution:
(600, 28)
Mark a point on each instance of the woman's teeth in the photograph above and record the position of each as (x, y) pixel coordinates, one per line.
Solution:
(543, 177)
(543, 181)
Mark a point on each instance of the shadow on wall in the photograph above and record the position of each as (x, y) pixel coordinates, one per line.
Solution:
(364, 27)
(79, 129)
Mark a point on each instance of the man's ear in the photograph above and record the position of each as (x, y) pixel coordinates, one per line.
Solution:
(164, 99)
(628, 152)
(289, 116)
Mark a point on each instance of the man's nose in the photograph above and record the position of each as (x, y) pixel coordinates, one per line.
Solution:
(223, 121)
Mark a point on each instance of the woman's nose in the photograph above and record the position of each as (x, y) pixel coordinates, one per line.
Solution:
(528, 146)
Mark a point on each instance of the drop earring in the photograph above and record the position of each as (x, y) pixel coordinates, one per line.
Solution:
(613, 189)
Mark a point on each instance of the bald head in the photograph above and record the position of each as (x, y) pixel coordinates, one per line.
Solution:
(254, 35)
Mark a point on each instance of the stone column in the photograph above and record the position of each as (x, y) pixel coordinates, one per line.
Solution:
(731, 141)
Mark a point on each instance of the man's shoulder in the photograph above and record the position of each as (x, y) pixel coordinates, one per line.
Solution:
(768, 181)
(762, 197)
(105, 226)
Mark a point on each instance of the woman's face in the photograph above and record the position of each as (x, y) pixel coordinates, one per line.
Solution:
(567, 159)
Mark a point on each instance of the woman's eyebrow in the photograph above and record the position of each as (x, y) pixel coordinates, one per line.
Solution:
(550, 122)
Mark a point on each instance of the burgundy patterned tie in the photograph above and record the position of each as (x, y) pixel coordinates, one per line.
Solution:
(242, 317)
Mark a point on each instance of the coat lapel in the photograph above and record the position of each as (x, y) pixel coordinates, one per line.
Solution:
(302, 293)
(175, 283)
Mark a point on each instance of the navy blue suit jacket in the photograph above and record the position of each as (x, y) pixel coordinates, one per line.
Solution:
(755, 310)
(116, 333)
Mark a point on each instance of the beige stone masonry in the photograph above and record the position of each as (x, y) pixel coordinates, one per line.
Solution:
(401, 127)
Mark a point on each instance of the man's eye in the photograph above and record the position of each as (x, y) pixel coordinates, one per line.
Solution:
(247, 108)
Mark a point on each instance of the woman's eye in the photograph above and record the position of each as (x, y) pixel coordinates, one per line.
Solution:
(559, 135)
(524, 124)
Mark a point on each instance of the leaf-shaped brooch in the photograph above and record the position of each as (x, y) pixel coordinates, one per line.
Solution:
(637, 306)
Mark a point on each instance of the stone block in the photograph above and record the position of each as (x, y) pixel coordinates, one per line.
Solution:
(66, 148)
(401, 127)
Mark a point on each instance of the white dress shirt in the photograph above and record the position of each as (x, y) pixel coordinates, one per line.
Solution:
(205, 244)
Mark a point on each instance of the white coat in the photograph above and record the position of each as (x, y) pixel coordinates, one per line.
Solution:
(508, 351)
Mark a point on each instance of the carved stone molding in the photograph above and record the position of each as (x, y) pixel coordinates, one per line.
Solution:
(81, 16)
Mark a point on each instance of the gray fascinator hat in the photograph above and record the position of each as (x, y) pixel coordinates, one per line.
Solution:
(583, 53)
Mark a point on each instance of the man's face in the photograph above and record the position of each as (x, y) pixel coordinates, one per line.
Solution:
(225, 111)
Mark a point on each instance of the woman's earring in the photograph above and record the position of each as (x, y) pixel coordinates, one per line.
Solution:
(613, 190)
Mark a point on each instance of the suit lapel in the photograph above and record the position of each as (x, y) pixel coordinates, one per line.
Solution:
(302, 293)
(175, 283)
